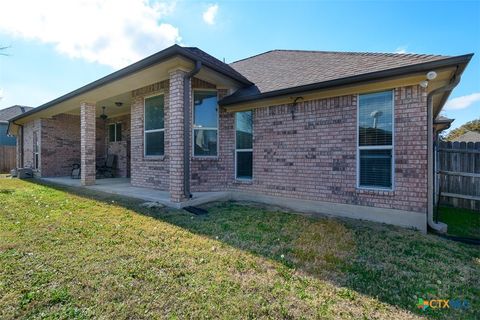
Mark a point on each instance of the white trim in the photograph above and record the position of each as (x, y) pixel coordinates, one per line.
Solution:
(145, 155)
(241, 150)
(194, 127)
(381, 147)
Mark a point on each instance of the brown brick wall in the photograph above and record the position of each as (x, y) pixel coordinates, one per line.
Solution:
(154, 172)
(60, 146)
(28, 130)
(150, 172)
(88, 140)
(213, 174)
(176, 136)
(314, 156)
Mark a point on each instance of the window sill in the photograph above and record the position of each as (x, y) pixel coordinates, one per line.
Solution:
(154, 158)
(378, 191)
(205, 158)
(243, 181)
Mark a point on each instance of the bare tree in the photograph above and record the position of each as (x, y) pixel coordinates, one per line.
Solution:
(2, 49)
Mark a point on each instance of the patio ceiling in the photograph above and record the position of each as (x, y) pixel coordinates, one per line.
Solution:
(120, 90)
(111, 109)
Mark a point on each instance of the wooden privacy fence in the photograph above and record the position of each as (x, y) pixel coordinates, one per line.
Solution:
(458, 174)
(7, 158)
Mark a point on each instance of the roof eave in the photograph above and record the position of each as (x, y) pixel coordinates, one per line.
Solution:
(458, 73)
(133, 68)
(400, 71)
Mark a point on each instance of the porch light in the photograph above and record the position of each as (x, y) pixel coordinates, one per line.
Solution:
(103, 116)
(424, 83)
(431, 75)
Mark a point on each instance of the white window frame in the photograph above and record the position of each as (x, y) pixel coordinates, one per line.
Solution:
(154, 130)
(242, 150)
(113, 124)
(204, 128)
(384, 147)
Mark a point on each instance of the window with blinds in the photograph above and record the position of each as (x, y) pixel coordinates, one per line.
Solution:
(375, 140)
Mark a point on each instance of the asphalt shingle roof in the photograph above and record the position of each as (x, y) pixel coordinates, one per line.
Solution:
(469, 136)
(219, 65)
(281, 69)
(13, 111)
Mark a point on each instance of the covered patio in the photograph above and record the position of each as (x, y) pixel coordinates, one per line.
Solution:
(123, 187)
(140, 115)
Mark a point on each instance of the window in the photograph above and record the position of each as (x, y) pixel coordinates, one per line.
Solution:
(375, 140)
(154, 126)
(243, 145)
(205, 123)
(36, 148)
(115, 132)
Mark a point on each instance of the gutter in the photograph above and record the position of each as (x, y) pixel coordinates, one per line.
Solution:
(186, 127)
(438, 227)
(21, 141)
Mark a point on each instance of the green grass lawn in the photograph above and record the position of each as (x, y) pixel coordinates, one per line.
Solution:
(67, 254)
(461, 222)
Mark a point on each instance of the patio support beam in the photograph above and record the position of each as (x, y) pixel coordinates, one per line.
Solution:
(87, 144)
(176, 136)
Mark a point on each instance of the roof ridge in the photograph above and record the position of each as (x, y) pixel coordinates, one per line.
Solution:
(346, 53)
(255, 55)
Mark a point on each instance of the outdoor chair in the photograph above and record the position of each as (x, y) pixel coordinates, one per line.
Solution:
(108, 169)
(75, 174)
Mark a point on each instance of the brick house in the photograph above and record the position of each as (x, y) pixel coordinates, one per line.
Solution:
(7, 143)
(339, 133)
(5, 115)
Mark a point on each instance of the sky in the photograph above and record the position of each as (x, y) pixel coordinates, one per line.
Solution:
(56, 46)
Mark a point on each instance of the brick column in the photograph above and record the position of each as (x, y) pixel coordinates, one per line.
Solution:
(176, 136)
(87, 144)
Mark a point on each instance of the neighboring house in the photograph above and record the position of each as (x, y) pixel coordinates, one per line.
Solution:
(7, 143)
(469, 136)
(340, 133)
(5, 115)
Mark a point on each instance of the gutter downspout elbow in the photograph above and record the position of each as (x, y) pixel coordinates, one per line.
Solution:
(436, 226)
(186, 127)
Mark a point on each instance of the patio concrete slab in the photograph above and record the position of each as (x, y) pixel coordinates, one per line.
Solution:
(122, 186)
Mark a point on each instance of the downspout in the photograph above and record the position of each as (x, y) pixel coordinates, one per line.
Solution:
(186, 127)
(436, 226)
(22, 143)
